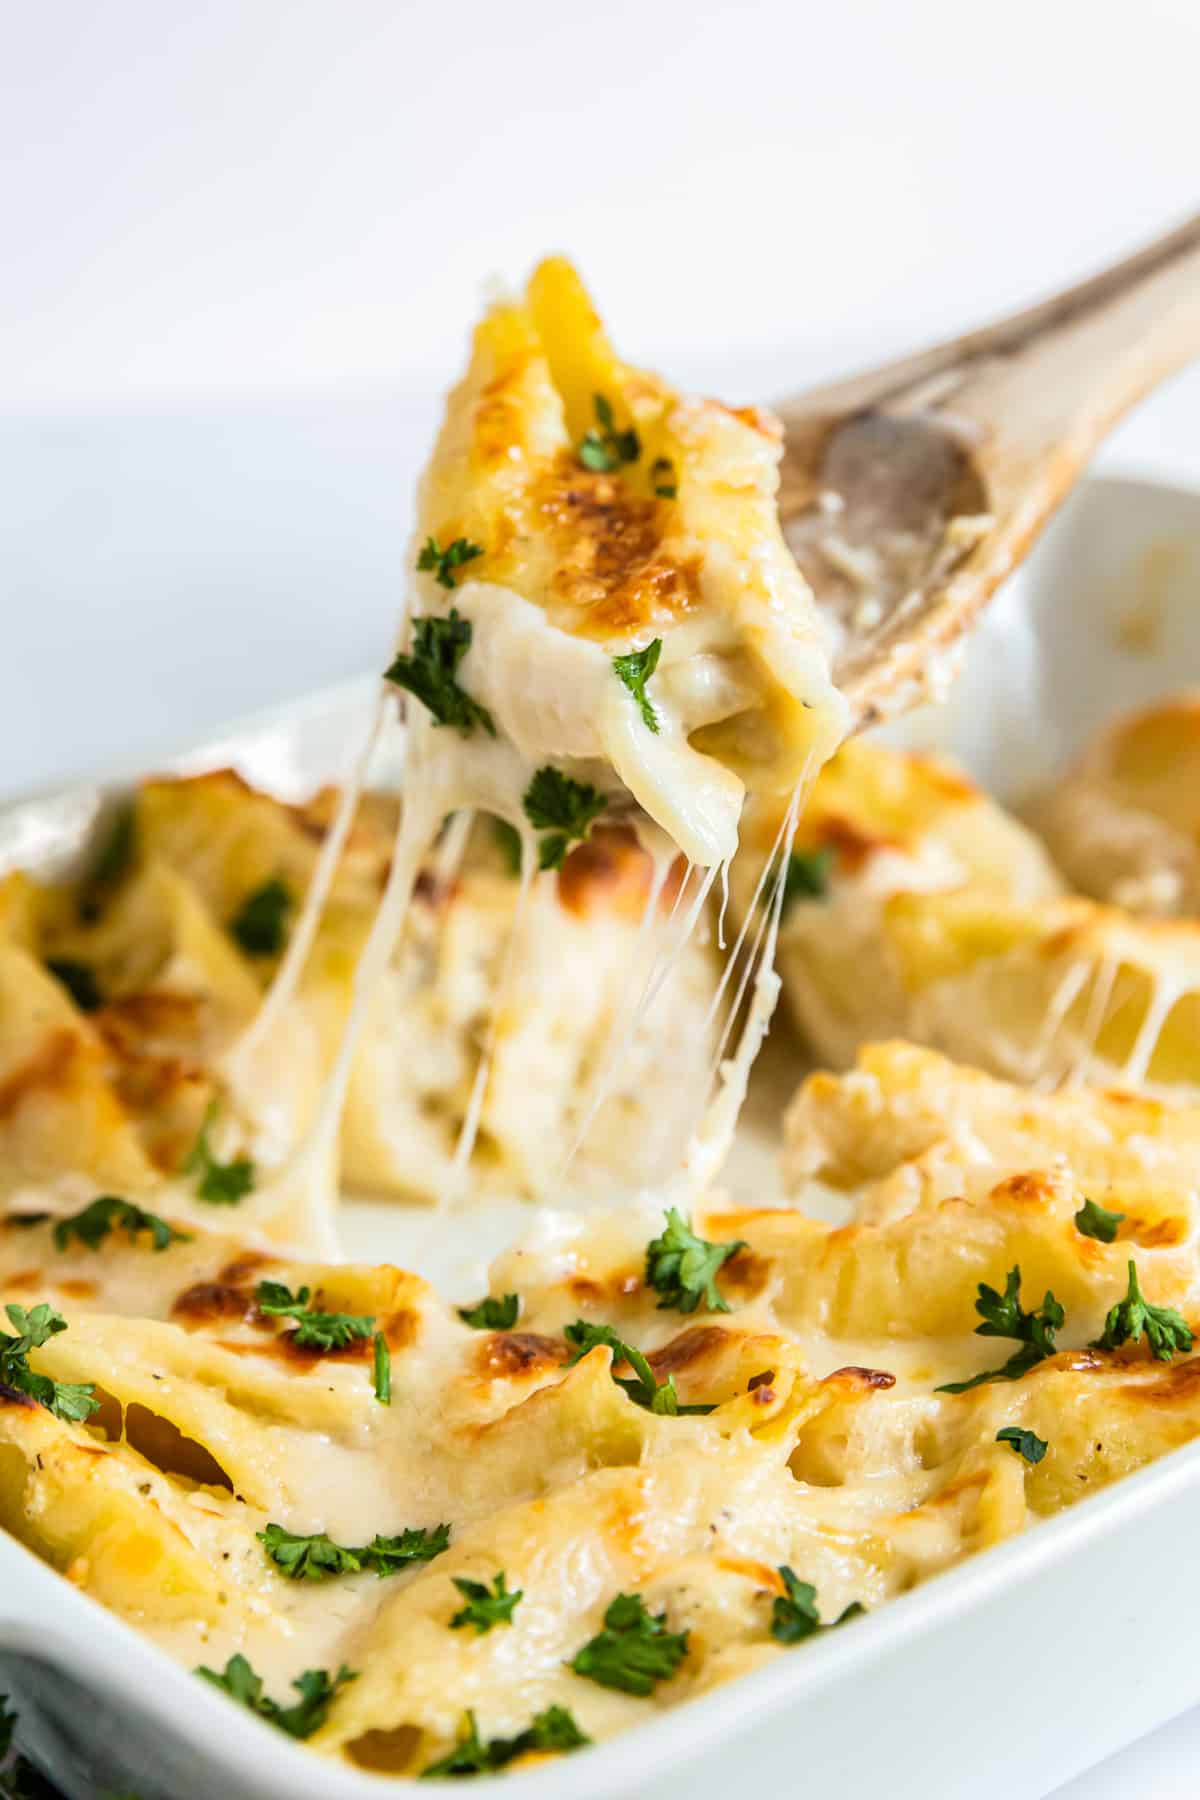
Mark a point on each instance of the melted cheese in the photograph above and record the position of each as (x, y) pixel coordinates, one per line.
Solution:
(115, 1099)
(1124, 822)
(829, 1448)
(572, 565)
(944, 921)
(532, 1010)
(580, 565)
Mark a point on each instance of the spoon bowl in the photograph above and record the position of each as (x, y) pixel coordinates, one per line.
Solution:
(910, 492)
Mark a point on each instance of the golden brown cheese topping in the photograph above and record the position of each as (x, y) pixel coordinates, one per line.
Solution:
(600, 513)
(118, 1096)
(613, 571)
(920, 909)
(240, 1491)
(1124, 821)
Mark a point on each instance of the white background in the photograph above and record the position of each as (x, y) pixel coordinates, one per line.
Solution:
(242, 244)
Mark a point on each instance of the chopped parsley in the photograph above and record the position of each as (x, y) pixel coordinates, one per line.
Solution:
(644, 1390)
(220, 1184)
(79, 979)
(485, 1606)
(563, 808)
(1095, 1222)
(602, 447)
(314, 1558)
(1165, 1330)
(634, 1651)
(682, 1268)
(111, 864)
(443, 563)
(383, 1370)
(260, 926)
(315, 1330)
(662, 478)
(318, 1558)
(388, 1555)
(300, 1720)
(492, 1314)
(553, 1729)
(794, 1613)
(110, 1213)
(635, 670)
(1004, 1316)
(508, 842)
(1025, 1443)
(429, 672)
(806, 876)
(72, 1401)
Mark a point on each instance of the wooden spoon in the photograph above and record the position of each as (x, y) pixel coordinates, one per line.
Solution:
(910, 492)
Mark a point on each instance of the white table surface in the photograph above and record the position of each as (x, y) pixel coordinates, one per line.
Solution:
(244, 243)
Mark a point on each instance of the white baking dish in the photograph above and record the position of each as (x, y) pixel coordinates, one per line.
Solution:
(1003, 1677)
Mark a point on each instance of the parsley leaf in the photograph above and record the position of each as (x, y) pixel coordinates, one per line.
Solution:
(508, 842)
(110, 1213)
(388, 1555)
(79, 979)
(111, 864)
(429, 672)
(602, 447)
(316, 1693)
(73, 1401)
(1133, 1317)
(471, 1755)
(492, 1314)
(635, 670)
(486, 1606)
(314, 1558)
(315, 1330)
(806, 876)
(644, 1390)
(260, 924)
(318, 1558)
(300, 1720)
(662, 478)
(1095, 1222)
(1004, 1316)
(682, 1268)
(220, 1184)
(634, 1651)
(794, 1614)
(553, 1729)
(383, 1370)
(443, 563)
(563, 808)
(1025, 1443)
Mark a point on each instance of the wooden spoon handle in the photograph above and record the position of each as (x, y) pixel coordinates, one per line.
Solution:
(997, 424)
(1117, 333)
